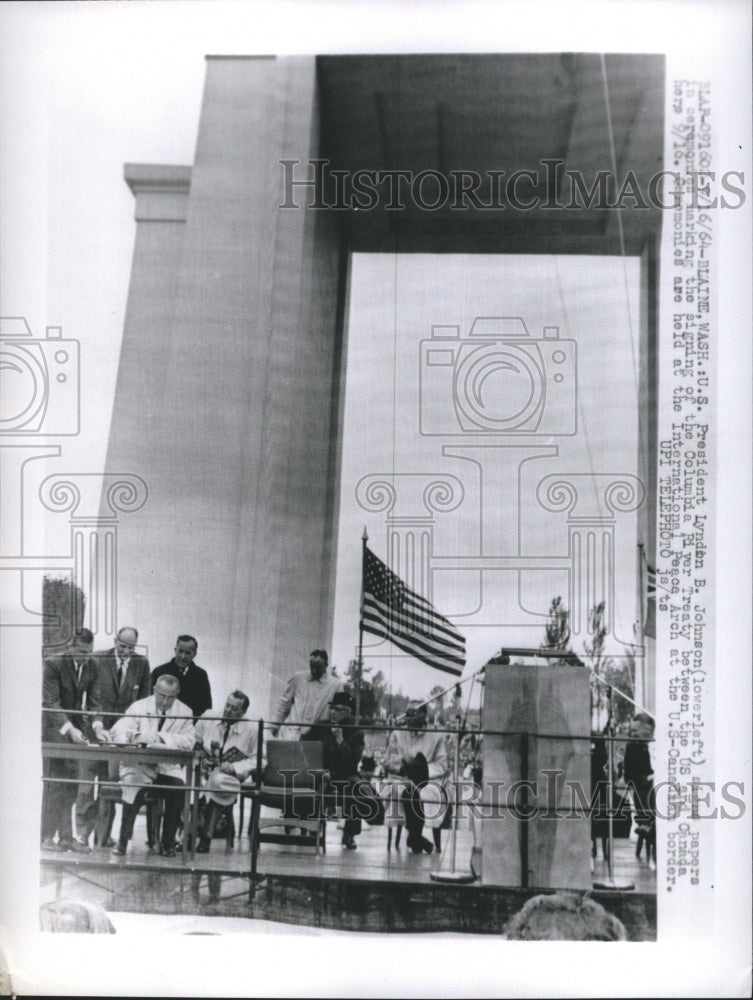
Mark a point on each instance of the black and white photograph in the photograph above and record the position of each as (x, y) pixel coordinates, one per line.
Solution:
(375, 449)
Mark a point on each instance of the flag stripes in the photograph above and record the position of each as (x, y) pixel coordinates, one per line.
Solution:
(649, 623)
(393, 611)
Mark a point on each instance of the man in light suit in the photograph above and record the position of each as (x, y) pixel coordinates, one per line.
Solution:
(229, 744)
(123, 676)
(157, 721)
(417, 757)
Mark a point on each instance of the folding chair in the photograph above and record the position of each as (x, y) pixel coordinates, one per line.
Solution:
(291, 783)
(152, 800)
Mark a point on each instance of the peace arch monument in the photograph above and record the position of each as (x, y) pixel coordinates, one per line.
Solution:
(229, 392)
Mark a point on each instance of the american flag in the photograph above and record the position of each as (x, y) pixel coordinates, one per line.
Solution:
(655, 589)
(392, 610)
(649, 624)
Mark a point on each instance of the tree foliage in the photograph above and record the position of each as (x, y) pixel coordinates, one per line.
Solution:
(374, 690)
(558, 625)
(378, 700)
(618, 675)
(63, 605)
(598, 630)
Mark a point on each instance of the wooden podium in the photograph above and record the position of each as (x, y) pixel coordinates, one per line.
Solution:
(544, 710)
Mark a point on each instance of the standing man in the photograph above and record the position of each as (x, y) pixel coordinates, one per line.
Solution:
(122, 677)
(194, 682)
(230, 747)
(419, 757)
(306, 698)
(157, 721)
(638, 772)
(69, 687)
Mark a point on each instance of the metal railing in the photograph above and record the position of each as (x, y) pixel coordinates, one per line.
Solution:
(482, 801)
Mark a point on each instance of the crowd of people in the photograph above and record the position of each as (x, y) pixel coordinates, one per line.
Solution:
(631, 785)
(112, 696)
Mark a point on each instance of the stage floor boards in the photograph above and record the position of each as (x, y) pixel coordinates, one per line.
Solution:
(371, 861)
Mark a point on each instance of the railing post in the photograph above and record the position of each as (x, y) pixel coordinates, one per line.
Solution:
(524, 767)
(255, 810)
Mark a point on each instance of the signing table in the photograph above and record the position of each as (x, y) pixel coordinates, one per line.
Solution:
(117, 753)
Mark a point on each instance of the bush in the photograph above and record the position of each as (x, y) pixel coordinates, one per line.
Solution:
(564, 917)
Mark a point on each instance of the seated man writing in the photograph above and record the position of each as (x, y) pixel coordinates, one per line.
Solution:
(157, 721)
(229, 744)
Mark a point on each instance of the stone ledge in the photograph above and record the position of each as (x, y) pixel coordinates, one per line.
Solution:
(336, 904)
(161, 191)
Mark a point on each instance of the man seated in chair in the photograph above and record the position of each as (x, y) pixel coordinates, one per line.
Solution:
(230, 747)
(157, 721)
(342, 751)
(419, 758)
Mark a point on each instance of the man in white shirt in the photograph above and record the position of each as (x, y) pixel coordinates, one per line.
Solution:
(230, 747)
(157, 721)
(419, 757)
(306, 698)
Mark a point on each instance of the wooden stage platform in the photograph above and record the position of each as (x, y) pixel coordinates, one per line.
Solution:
(369, 889)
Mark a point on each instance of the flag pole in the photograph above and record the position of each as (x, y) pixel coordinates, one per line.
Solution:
(453, 875)
(621, 885)
(447, 690)
(640, 685)
(359, 669)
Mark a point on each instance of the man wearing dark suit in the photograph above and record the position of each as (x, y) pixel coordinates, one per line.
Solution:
(69, 687)
(194, 682)
(342, 745)
(123, 677)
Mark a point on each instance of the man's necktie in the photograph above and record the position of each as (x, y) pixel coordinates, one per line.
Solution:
(79, 685)
(79, 679)
(161, 721)
(225, 734)
(120, 674)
